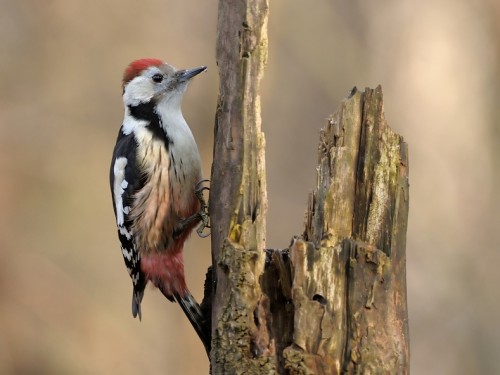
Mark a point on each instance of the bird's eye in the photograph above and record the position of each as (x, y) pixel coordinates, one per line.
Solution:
(157, 78)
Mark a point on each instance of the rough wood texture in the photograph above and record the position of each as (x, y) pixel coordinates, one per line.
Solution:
(238, 203)
(335, 301)
(349, 278)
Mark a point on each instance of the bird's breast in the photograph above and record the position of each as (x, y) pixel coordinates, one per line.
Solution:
(170, 174)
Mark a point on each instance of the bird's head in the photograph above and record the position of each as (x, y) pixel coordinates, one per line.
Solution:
(152, 79)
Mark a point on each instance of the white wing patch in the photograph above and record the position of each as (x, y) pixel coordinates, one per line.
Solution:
(119, 186)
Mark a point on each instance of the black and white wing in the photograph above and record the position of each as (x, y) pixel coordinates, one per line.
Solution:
(125, 180)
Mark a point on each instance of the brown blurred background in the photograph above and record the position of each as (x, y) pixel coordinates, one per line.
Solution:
(64, 291)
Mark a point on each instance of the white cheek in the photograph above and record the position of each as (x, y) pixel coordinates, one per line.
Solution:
(137, 91)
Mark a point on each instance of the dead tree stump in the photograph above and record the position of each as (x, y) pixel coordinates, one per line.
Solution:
(349, 275)
(335, 300)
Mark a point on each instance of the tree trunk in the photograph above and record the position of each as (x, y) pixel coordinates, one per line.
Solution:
(238, 194)
(335, 300)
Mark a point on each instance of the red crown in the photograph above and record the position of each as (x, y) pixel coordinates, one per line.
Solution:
(136, 67)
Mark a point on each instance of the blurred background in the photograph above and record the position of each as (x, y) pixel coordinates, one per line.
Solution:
(64, 291)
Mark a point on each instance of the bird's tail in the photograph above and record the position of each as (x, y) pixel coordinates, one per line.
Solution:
(137, 295)
(194, 314)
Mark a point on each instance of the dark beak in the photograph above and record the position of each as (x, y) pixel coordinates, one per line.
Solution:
(185, 75)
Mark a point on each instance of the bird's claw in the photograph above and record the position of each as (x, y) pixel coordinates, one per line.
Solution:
(203, 213)
(205, 220)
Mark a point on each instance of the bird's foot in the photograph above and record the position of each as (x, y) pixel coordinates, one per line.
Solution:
(203, 213)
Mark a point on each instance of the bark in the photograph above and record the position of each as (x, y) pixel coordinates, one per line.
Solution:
(335, 300)
(349, 283)
(238, 203)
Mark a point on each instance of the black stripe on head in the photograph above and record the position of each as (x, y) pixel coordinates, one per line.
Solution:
(147, 112)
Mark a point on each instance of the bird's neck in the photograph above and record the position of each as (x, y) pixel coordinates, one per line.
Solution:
(170, 114)
(165, 116)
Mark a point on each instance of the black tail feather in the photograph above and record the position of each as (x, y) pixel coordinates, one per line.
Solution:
(195, 316)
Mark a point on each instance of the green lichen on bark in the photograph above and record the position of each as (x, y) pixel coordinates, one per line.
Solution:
(241, 332)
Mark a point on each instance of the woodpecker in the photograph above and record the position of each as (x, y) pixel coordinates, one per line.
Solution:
(155, 179)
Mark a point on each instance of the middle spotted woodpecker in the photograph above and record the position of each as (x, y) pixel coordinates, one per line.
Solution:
(155, 175)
